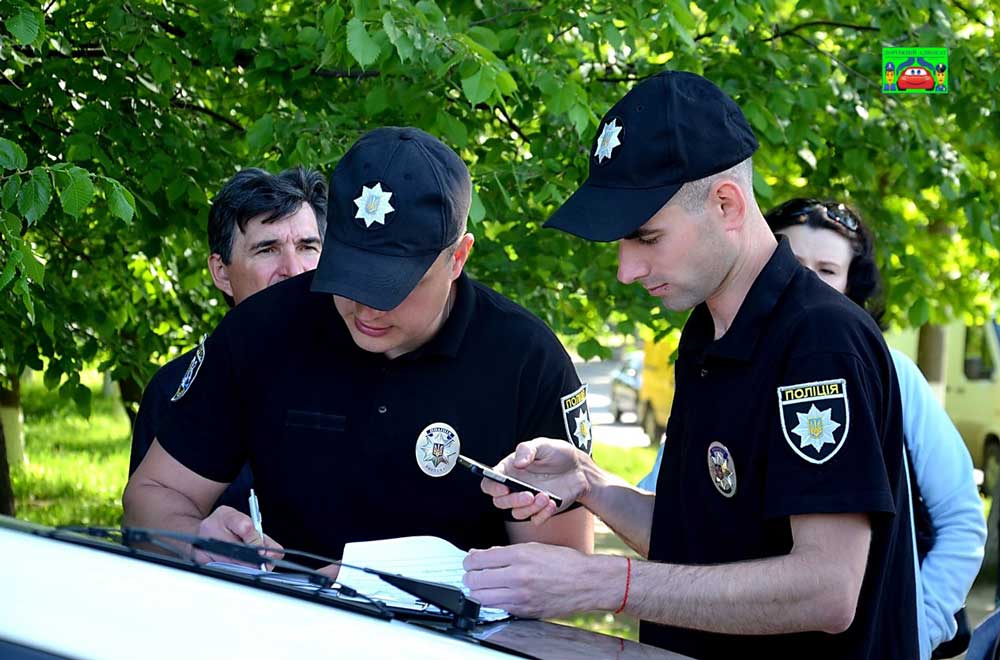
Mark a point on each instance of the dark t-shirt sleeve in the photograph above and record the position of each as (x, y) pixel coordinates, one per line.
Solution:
(826, 441)
(201, 424)
(553, 402)
(155, 399)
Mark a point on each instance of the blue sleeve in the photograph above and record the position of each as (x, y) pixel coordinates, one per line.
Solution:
(649, 481)
(943, 469)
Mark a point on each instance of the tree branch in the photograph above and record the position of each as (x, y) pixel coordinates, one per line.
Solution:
(342, 73)
(184, 105)
(835, 59)
(516, 10)
(791, 31)
(969, 13)
(507, 119)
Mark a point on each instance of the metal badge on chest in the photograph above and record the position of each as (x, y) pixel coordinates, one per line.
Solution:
(722, 469)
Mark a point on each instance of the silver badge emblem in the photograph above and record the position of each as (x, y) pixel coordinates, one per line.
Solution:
(373, 205)
(608, 140)
(437, 449)
(722, 469)
(192, 371)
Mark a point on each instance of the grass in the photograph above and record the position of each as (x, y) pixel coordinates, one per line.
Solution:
(75, 468)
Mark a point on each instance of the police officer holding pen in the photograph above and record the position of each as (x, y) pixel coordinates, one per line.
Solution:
(327, 382)
(780, 525)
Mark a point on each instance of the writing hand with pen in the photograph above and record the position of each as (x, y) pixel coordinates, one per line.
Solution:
(228, 524)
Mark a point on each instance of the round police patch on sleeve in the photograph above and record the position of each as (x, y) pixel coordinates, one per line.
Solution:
(192, 371)
(576, 418)
(815, 418)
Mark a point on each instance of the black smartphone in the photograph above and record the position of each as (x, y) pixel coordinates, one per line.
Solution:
(514, 484)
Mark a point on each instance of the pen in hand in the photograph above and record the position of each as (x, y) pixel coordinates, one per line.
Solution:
(255, 517)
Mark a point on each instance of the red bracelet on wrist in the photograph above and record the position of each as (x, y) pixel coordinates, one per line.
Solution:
(628, 583)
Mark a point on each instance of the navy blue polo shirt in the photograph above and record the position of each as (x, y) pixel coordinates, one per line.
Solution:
(330, 430)
(155, 399)
(794, 410)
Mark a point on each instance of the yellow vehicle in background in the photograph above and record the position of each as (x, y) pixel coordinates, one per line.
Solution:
(972, 390)
(656, 389)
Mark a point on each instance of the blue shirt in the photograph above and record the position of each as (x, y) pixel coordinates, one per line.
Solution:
(944, 475)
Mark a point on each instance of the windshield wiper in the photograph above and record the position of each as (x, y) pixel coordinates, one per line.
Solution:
(462, 610)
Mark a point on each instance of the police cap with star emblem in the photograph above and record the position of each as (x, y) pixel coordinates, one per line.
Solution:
(669, 129)
(397, 198)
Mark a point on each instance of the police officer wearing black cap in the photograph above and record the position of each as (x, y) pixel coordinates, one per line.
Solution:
(386, 339)
(781, 521)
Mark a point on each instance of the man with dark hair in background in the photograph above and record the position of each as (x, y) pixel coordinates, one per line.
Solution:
(262, 229)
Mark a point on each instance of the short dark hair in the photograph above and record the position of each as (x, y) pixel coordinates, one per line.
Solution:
(253, 193)
(864, 281)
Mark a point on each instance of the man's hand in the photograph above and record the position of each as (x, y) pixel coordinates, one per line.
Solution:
(553, 465)
(536, 580)
(228, 524)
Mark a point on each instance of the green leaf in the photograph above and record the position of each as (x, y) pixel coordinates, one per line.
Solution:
(485, 36)
(21, 288)
(454, 131)
(82, 398)
(12, 156)
(78, 194)
(479, 86)
(398, 38)
(360, 44)
(120, 201)
(10, 190)
(24, 25)
(506, 83)
(919, 313)
(161, 69)
(332, 18)
(33, 268)
(476, 211)
(376, 101)
(580, 117)
(35, 195)
(261, 134)
(613, 36)
(10, 268)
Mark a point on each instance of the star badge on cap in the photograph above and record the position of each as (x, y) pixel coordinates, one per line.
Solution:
(373, 205)
(608, 140)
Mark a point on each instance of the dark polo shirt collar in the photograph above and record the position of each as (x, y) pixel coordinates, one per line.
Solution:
(448, 340)
(742, 336)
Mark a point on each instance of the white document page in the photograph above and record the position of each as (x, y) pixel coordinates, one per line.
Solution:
(421, 557)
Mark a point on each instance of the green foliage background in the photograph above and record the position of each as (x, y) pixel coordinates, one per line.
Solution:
(119, 120)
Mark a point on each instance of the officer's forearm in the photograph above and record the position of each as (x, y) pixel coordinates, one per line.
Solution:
(623, 508)
(152, 505)
(814, 588)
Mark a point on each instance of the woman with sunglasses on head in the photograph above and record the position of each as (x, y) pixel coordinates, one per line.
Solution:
(830, 239)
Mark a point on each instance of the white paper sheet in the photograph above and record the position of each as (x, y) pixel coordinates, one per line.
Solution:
(421, 557)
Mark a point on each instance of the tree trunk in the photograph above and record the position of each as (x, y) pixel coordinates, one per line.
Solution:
(13, 422)
(6, 491)
(932, 357)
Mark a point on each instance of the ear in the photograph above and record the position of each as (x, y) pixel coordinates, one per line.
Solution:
(220, 274)
(461, 255)
(730, 204)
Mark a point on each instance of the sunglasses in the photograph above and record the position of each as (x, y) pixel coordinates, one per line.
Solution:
(834, 213)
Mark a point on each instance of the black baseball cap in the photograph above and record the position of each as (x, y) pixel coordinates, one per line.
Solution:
(669, 129)
(398, 197)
